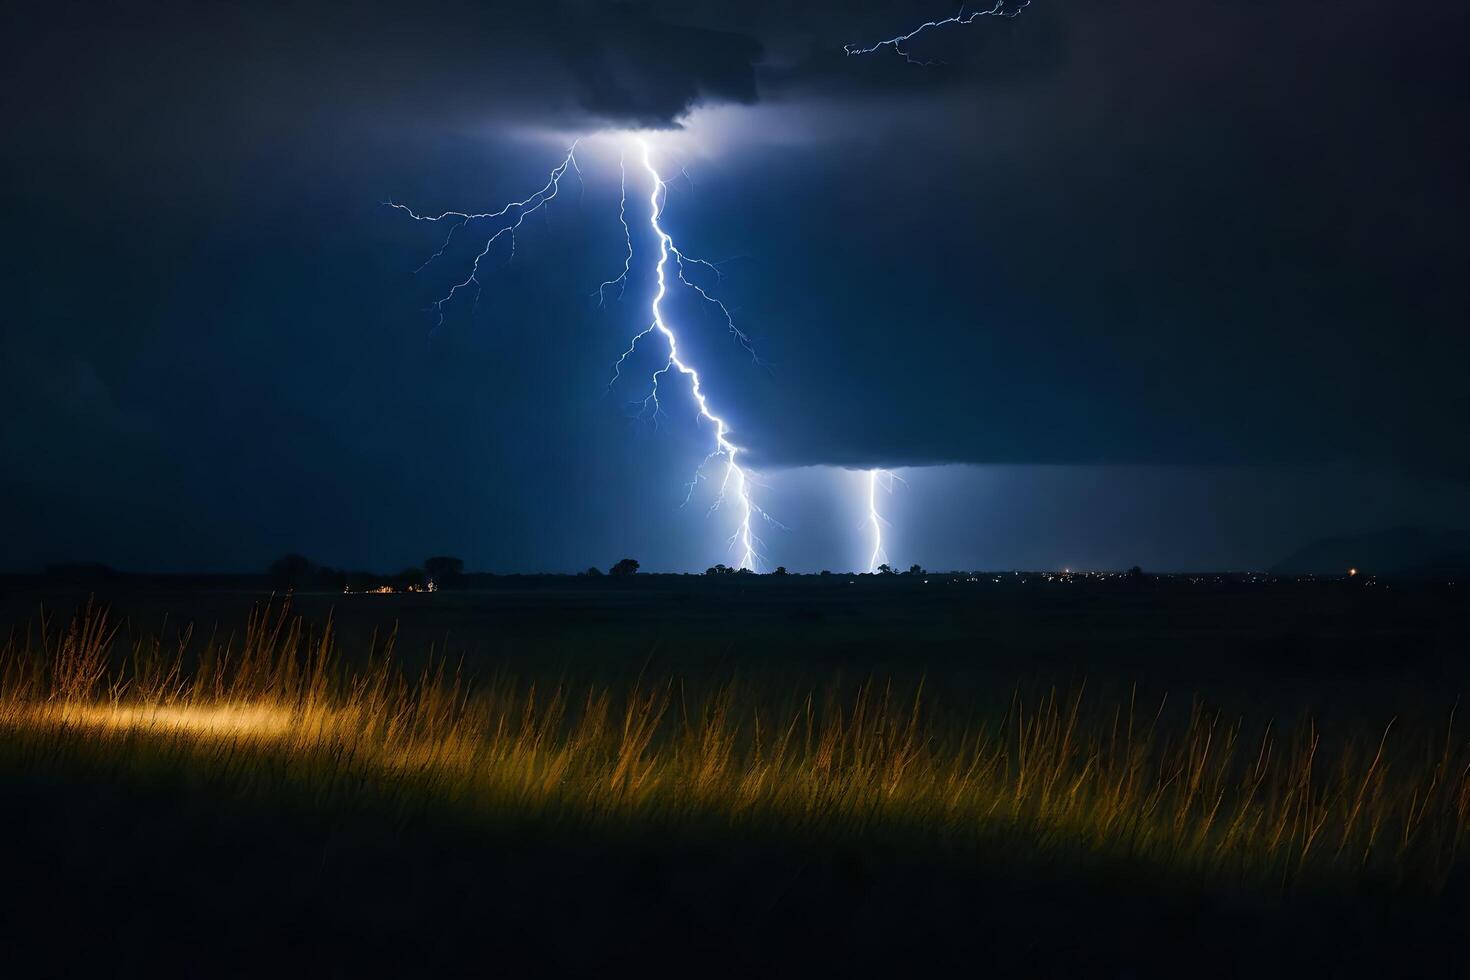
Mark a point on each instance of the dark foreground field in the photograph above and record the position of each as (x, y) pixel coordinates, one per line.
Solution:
(1061, 778)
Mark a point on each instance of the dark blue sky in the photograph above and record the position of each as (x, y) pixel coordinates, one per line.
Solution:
(1176, 283)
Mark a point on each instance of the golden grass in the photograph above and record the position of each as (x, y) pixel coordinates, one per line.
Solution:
(1055, 774)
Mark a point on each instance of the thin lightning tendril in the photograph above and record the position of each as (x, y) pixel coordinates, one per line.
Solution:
(622, 280)
(897, 43)
(521, 209)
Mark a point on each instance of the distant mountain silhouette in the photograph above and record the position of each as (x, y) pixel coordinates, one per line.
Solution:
(1412, 552)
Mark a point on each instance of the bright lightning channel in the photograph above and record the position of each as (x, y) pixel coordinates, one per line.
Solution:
(736, 481)
(1001, 9)
(875, 520)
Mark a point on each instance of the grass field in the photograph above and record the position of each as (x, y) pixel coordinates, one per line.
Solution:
(775, 780)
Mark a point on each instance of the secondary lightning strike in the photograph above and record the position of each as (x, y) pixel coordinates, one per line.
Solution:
(521, 209)
(897, 43)
(875, 520)
(736, 481)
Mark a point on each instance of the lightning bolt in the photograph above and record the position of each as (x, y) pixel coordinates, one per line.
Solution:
(736, 481)
(1000, 9)
(875, 520)
(674, 265)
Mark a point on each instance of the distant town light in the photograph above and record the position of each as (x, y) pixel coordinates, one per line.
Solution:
(1352, 571)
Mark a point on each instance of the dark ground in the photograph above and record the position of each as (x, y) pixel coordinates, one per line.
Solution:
(1352, 650)
(96, 885)
(96, 882)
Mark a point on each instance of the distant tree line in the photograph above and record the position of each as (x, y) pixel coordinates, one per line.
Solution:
(727, 570)
(295, 572)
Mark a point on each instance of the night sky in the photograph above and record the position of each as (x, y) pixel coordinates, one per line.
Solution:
(1174, 282)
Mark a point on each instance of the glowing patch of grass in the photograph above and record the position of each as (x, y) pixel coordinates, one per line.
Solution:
(1055, 774)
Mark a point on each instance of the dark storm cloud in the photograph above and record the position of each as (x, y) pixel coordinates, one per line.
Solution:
(279, 72)
(162, 71)
(635, 69)
(1191, 233)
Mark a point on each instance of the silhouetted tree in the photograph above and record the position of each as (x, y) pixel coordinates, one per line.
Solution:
(825, 572)
(916, 570)
(291, 571)
(624, 568)
(593, 572)
(443, 571)
(720, 569)
(885, 569)
(780, 570)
